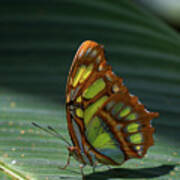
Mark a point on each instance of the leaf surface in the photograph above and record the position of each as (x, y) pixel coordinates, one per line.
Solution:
(39, 40)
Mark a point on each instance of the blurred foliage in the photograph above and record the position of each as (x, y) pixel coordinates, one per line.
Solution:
(169, 10)
(38, 42)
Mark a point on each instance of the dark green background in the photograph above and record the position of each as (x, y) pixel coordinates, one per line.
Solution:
(38, 40)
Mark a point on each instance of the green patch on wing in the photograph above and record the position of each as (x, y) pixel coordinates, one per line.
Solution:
(117, 108)
(96, 134)
(132, 127)
(78, 75)
(94, 129)
(136, 138)
(131, 116)
(102, 140)
(94, 89)
(92, 109)
(125, 112)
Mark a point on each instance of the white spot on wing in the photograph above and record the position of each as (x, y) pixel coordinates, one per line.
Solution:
(88, 51)
(100, 68)
(98, 59)
(94, 53)
(81, 53)
(147, 111)
(108, 77)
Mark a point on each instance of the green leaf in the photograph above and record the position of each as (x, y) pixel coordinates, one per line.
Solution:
(39, 39)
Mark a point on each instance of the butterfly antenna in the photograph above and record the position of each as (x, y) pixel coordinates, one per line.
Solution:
(51, 131)
(58, 134)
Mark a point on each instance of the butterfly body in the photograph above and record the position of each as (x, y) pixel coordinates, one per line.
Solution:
(106, 123)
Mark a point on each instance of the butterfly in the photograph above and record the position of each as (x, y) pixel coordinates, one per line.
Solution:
(107, 124)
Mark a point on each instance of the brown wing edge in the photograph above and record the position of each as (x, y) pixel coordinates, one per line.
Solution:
(132, 100)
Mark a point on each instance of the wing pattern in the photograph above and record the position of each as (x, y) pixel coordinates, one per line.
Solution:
(105, 122)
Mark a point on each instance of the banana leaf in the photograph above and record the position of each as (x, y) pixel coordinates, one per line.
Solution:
(38, 42)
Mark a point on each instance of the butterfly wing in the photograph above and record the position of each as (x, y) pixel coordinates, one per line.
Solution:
(86, 68)
(105, 122)
(128, 125)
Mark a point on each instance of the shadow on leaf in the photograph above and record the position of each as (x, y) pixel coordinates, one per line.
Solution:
(131, 173)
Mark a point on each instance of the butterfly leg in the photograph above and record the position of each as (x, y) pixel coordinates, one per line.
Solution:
(82, 173)
(93, 169)
(67, 163)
